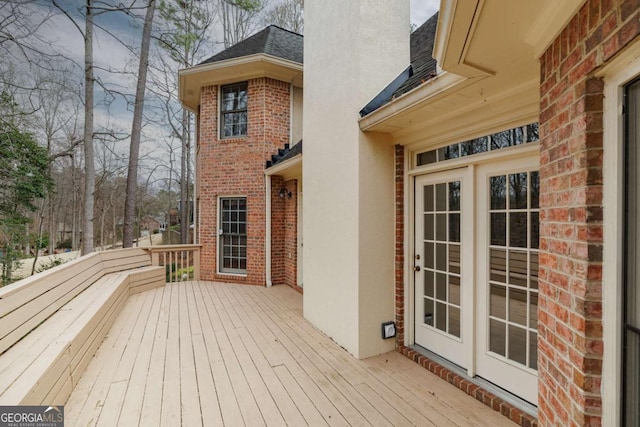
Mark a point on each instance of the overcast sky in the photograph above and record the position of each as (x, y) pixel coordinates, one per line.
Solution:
(421, 10)
(111, 54)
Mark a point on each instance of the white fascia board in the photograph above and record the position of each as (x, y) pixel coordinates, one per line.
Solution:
(280, 167)
(438, 86)
(260, 57)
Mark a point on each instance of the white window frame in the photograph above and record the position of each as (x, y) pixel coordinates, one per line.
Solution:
(219, 269)
(622, 70)
(220, 112)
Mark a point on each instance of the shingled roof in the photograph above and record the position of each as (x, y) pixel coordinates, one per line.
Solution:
(423, 66)
(273, 40)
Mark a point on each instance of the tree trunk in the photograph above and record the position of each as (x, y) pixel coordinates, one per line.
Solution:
(89, 165)
(136, 129)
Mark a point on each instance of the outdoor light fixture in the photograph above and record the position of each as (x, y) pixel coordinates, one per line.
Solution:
(388, 330)
(284, 193)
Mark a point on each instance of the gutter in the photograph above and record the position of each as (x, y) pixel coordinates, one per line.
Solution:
(435, 88)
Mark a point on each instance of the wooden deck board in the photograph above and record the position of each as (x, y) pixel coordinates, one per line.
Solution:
(202, 353)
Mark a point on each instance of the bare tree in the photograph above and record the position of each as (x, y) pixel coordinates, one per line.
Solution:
(136, 127)
(288, 14)
(186, 37)
(239, 19)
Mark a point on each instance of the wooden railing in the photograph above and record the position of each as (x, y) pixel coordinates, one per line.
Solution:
(181, 262)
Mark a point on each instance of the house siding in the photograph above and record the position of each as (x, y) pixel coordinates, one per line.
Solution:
(571, 213)
(235, 167)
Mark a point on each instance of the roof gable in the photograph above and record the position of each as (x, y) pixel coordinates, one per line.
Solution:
(273, 40)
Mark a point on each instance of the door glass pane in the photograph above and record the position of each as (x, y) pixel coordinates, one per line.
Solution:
(454, 290)
(499, 229)
(454, 321)
(454, 196)
(442, 256)
(498, 192)
(441, 197)
(513, 266)
(428, 198)
(498, 301)
(497, 337)
(518, 191)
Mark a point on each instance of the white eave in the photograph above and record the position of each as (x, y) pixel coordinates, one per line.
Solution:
(288, 169)
(488, 59)
(191, 80)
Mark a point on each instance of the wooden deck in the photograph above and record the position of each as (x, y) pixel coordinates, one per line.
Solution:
(202, 353)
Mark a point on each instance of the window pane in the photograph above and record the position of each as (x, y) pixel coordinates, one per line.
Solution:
(428, 283)
(454, 321)
(428, 198)
(518, 191)
(454, 259)
(499, 229)
(454, 196)
(428, 255)
(428, 226)
(441, 197)
(518, 229)
(441, 286)
(533, 350)
(426, 158)
(517, 344)
(441, 316)
(498, 265)
(518, 306)
(454, 227)
(535, 190)
(441, 227)
(498, 192)
(498, 301)
(441, 256)
(428, 312)
(497, 337)
(454, 290)
(518, 271)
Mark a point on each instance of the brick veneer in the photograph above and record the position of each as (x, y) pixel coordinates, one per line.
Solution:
(235, 167)
(571, 231)
(284, 233)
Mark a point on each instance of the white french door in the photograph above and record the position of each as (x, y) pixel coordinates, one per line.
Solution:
(476, 269)
(507, 275)
(441, 270)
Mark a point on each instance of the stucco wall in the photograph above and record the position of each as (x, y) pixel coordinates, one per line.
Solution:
(348, 176)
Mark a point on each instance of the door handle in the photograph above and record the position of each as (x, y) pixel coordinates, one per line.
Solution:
(416, 268)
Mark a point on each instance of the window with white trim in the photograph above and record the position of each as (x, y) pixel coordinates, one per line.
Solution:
(232, 246)
(233, 110)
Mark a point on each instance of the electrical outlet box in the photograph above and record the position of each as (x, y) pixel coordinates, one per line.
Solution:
(388, 330)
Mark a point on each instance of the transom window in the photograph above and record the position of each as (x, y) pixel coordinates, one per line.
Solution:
(233, 110)
(508, 138)
(233, 235)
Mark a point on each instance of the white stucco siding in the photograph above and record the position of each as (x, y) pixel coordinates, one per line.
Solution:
(352, 51)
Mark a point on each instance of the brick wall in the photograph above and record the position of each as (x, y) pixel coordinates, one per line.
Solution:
(235, 167)
(571, 239)
(399, 242)
(277, 231)
(291, 235)
(284, 233)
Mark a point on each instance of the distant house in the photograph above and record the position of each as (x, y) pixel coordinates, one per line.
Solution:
(475, 183)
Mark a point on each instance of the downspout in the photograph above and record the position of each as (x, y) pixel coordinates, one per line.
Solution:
(267, 242)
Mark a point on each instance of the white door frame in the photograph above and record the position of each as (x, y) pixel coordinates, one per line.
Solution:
(503, 371)
(461, 351)
(515, 153)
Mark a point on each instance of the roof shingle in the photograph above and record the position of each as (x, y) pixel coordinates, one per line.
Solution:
(273, 40)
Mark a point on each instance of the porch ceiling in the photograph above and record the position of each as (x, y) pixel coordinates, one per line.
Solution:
(487, 51)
